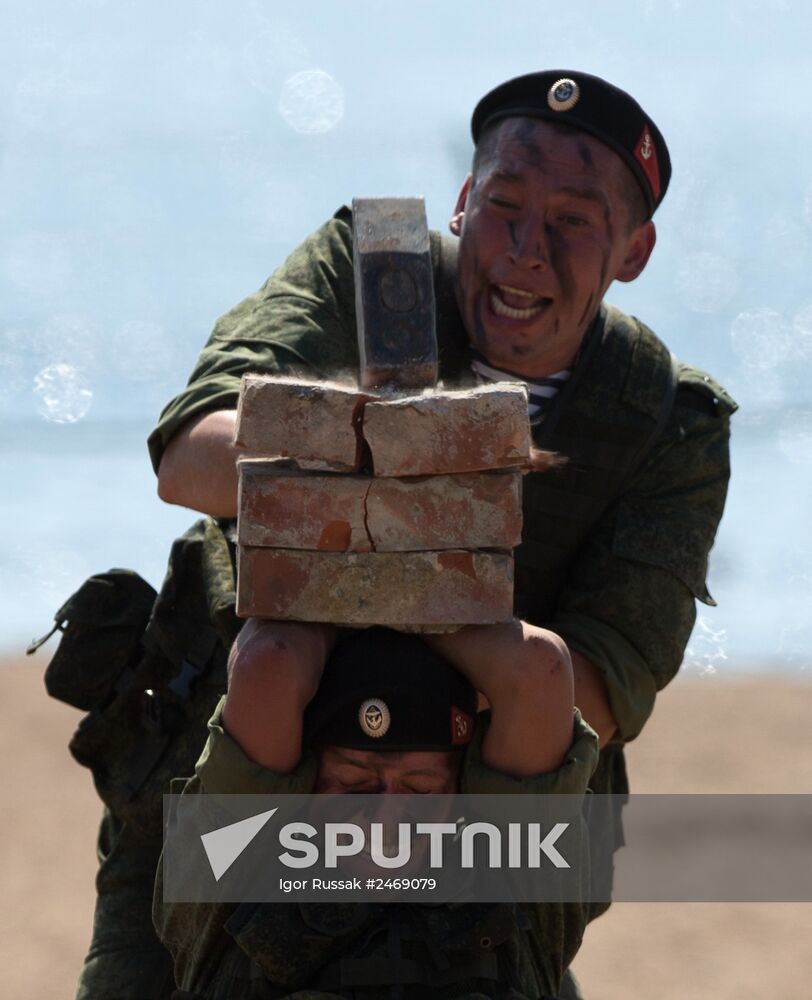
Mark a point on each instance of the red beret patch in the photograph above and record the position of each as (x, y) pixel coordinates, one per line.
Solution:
(462, 727)
(646, 156)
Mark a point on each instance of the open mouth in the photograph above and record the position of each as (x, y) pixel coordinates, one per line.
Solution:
(516, 303)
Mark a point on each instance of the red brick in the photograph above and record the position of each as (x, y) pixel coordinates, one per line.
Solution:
(282, 507)
(415, 588)
(470, 511)
(313, 423)
(288, 509)
(449, 431)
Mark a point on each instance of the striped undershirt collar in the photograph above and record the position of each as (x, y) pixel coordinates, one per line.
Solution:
(540, 391)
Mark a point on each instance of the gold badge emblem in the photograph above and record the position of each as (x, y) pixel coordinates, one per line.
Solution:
(563, 94)
(648, 147)
(374, 717)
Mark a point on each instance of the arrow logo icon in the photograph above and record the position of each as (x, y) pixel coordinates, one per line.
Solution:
(225, 845)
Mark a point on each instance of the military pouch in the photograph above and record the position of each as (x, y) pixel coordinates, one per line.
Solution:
(152, 727)
(148, 669)
(101, 625)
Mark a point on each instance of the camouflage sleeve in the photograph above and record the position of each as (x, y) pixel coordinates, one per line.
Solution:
(194, 933)
(571, 778)
(556, 926)
(628, 604)
(301, 320)
(224, 769)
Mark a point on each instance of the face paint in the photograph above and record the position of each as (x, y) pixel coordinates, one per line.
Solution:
(525, 136)
(538, 246)
(587, 310)
(561, 265)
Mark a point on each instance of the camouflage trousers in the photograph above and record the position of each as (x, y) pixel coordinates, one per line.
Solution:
(126, 960)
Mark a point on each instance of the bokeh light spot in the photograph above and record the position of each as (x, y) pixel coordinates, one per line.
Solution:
(62, 393)
(311, 102)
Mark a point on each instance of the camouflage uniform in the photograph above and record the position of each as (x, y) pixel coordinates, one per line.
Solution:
(613, 555)
(269, 950)
(614, 551)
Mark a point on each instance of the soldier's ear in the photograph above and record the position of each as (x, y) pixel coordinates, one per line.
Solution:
(641, 243)
(455, 223)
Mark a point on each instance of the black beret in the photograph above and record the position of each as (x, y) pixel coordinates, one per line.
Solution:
(387, 690)
(591, 105)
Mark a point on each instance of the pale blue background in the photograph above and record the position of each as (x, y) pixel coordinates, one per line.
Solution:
(148, 180)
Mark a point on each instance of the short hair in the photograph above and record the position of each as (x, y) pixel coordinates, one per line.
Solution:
(633, 197)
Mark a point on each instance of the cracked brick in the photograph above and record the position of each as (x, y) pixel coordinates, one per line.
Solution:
(467, 511)
(316, 424)
(447, 431)
(282, 507)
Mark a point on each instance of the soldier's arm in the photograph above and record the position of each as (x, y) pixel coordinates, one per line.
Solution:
(194, 933)
(199, 465)
(628, 603)
(526, 675)
(301, 322)
(592, 697)
(274, 669)
(557, 925)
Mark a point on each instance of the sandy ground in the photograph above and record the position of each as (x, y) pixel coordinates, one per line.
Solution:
(707, 735)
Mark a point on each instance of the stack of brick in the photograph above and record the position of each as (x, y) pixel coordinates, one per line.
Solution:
(394, 503)
(373, 508)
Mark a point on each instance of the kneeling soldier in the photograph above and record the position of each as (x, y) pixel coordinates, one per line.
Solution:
(389, 715)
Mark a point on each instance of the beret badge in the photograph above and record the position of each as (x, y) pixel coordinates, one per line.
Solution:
(563, 95)
(374, 717)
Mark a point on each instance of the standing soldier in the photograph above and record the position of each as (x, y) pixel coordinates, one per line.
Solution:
(567, 173)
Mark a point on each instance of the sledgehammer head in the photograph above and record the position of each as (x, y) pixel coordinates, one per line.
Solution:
(394, 293)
